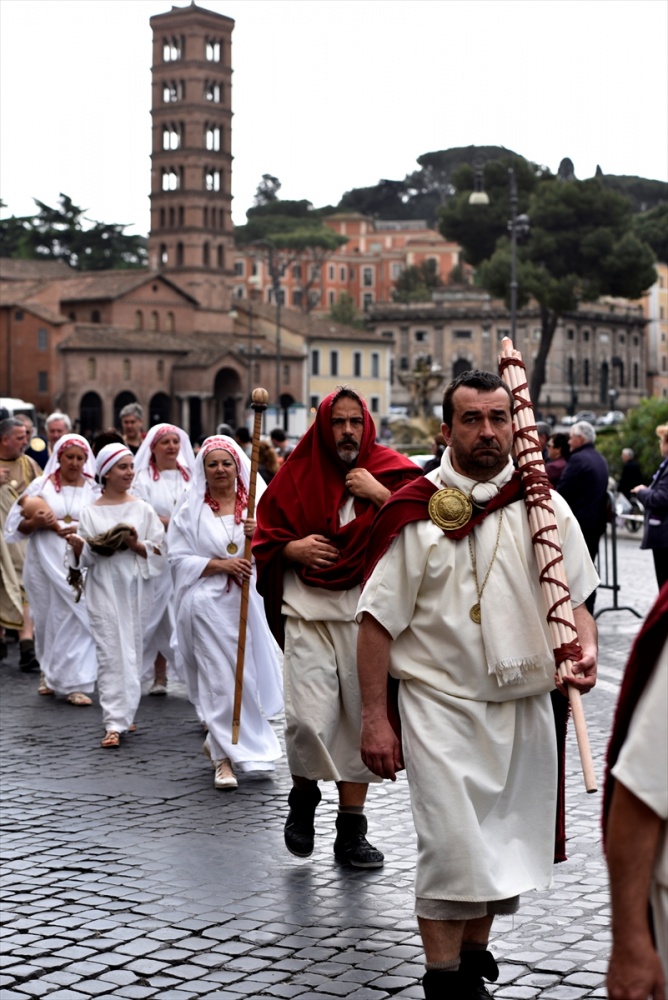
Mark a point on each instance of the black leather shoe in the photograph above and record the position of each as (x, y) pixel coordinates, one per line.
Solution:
(439, 984)
(28, 662)
(299, 830)
(474, 966)
(351, 846)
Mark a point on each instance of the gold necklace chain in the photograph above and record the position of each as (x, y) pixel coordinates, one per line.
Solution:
(231, 546)
(67, 519)
(475, 613)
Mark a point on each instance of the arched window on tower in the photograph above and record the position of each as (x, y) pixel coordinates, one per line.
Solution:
(221, 257)
(164, 254)
(172, 91)
(181, 216)
(162, 218)
(171, 136)
(211, 179)
(95, 316)
(206, 255)
(171, 179)
(206, 216)
(212, 91)
(212, 49)
(171, 217)
(172, 49)
(179, 254)
(212, 137)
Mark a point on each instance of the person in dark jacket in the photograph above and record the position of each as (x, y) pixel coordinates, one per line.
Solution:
(631, 475)
(654, 499)
(558, 450)
(584, 485)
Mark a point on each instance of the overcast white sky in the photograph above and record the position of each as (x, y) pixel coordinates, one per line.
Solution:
(333, 94)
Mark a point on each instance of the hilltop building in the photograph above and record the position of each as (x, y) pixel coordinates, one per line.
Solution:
(365, 268)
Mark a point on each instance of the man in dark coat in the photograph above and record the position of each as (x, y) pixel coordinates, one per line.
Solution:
(584, 485)
(631, 475)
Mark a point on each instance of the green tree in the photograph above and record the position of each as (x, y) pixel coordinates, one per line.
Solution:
(581, 246)
(344, 311)
(638, 432)
(652, 228)
(59, 234)
(417, 282)
(283, 233)
(267, 190)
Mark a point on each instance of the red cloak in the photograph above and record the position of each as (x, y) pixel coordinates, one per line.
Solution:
(305, 497)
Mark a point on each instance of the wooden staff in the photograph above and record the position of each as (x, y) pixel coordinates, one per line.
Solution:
(547, 544)
(259, 400)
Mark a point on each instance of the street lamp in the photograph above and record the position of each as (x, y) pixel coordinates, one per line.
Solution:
(517, 225)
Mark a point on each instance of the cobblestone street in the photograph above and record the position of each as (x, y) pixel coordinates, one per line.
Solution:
(126, 874)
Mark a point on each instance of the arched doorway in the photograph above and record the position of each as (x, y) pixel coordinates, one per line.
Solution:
(122, 400)
(160, 409)
(460, 366)
(228, 398)
(90, 415)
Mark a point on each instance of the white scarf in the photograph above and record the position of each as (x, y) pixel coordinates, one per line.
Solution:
(514, 625)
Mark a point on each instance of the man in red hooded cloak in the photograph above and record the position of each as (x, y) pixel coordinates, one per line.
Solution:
(312, 525)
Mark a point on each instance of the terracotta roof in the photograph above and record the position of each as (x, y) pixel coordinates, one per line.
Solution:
(103, 284)
(18, 295)
(99, 337)
(206, 349)
(13, 269)
(306, 324)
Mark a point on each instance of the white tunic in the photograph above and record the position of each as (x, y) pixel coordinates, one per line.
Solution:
(163, 495)
(63, 640)
(119, 590)
(480, 755)
(207, 627)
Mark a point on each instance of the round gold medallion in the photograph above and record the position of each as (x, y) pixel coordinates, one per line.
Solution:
(232, 548)
(474, 614)
(450, 509)
(67, 519)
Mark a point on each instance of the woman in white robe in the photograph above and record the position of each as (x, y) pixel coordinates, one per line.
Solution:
(119, 586)
(47, 512)
(164, 467)
(206, 542)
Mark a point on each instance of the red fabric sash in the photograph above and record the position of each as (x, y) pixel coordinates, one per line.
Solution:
(642, 661)
(305, 497)
(410, 503)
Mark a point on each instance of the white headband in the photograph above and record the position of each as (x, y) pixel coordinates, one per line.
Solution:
(109, 456)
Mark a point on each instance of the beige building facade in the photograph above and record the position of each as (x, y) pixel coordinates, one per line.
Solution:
(597, 357)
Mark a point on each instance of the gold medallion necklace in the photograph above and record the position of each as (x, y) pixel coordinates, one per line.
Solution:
(475, 613)
(231, 546)
(69, 508)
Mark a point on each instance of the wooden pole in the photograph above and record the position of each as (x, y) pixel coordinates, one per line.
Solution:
(259, 400)
(546, 541)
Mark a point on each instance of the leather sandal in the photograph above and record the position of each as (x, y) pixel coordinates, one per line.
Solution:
(78, 698)
(43, 686)
(112, 740)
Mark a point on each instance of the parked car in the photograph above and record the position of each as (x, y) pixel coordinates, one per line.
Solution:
(611, 418)
(421, 460)
(587, 415)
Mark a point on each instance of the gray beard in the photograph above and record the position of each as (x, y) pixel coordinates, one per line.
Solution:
(347, 456)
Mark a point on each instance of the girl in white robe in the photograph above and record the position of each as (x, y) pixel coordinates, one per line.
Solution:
(204, 548)
(64, 644)
(119, 587)
(164, 467)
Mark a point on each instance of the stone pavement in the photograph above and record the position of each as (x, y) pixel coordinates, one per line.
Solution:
(126, 874)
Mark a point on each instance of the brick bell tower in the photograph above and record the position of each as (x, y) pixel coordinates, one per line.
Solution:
(191, 239)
